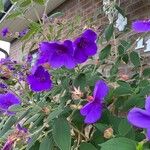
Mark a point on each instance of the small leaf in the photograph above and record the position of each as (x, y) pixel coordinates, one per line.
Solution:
(125, 58)
(57, 14)
(105, 52)
(124, 127)
(14, 15)
(46, 144)
(146, 72)
(25, 3)
(54, 114)
(120, 10)
(135, 59)
(41, 2)
(1, 6)
(109, 31)
(80, 81)
(119, 144)
(61, 134)
(87, 146)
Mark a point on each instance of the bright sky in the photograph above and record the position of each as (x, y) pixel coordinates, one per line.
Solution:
(5, 46)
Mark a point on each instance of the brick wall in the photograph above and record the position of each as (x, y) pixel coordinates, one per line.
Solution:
(92, 9)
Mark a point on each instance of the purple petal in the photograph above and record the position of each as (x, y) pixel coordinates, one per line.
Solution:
(90, 35)
(46, 51)
(139, 118)
(141, 26)
(40, 80)
(148, 134)
(8, 145)
(7, 100)
(92, 112)
(91, 49)
(147, 103)
(101, 90)
(80, 56)
(69, 62)
(57, 61)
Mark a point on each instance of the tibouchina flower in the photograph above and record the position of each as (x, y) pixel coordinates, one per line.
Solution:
(93, 110)
(4, 32)
(85, 46)
(7, 100)
(20, 133)
(140, 117)
(141, 26)
(57, 54)
(39, 80)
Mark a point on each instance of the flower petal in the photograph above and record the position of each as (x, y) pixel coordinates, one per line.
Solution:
(148, 134)
(147, 103)
(90, 35)
(139, 118)
(94, 114)
(92, 111)
(101, 90)
(141, 26)
(90, 49)
(80, 56)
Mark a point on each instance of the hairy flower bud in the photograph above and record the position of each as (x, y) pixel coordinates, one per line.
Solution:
(108, 133)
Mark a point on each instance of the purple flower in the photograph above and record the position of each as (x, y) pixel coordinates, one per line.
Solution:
(3, 86)
(141, 118)
(23, 32)
(57, 54)
(4, 32)
(39, 80)
(93, 110)
(141, 26)
(8, 145)
(6, 100)
(85, 46)
(21, 129)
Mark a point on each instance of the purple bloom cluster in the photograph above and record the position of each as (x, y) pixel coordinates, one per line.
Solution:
(23, 32)
(6, 100)
(20, 133)
(68, 53)
(4, 32)
(141, 118)
(39, 80)
(57, 54)
(93, 110)
(141, 26)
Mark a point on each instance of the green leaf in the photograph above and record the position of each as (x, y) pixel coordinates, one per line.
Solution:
(124, 127)
(14, 15)
(41, 2)
(1, 6)
(105, 52)
(55, 114)
(120, 143)
(46, 144)
(125, 58)
(9, 123)
(80, 81)
(122, 90)
(57, 14)
(25, 3)
(135, 59)
(61, 134)
(120, 10)
(15, 108)
(146, 72)
(87, 146)
(109, 32)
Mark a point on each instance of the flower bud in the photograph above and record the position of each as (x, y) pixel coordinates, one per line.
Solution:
(108, 133)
